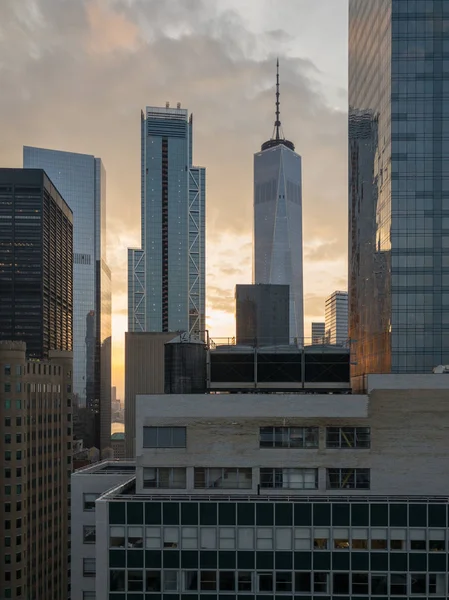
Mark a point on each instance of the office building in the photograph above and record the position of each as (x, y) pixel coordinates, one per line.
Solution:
(36, 229)
(318, 332)
(304, 497)
(278, 220)
(36, 451)
(166, 275)
(144, 374)
(398, 186)
(336, 318)
(81, 179)
(262, 314)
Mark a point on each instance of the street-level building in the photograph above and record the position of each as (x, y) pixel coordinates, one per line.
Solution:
(264, 496)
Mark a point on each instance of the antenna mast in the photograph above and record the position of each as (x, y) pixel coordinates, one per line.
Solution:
(277, 123)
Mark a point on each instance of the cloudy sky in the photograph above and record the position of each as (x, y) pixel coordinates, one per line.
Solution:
(74, 75)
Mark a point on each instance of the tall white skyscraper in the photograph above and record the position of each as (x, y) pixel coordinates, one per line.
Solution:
(336, 317)
(278, 220)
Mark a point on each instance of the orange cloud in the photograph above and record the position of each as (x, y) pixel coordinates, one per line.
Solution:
(109, 30)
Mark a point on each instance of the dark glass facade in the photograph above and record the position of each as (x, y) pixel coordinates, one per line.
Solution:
(398, 185)
(345, 548)
(81, 179)
(36, 262)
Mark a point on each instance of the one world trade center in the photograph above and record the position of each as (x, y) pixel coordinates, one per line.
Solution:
(278, 220)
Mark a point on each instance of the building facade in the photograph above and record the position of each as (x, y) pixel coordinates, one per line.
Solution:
(398, 186)
(262, 315)
(36, 242)
(81, 179)
(278, 221)
(336, 318)
(144, 374)
(318, 332)
(166, 275)
(36, 451)
(304, 497)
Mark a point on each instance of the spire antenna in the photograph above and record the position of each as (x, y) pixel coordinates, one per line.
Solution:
(277, 123)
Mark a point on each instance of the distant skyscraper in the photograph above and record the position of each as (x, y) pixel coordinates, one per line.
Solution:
(318, 332)
(262, 314)
(166, 275)
(336, 318)
(81, 179)
(398, 186)
(278, 220)
(36, 245)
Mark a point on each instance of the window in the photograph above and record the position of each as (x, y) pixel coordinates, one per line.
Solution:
(117, 580)
(164, 437)
(189, 538)
(245, 538)
(88, 534)
(208, 580)
(341, 539)
(7, 370)
(171, 537)
(227, 538)
(353, 479)
(321, 539)
(379, 584)
(284, 581)
(89, 501)
(117, 537)
(418, 539)
(341, 583)
(360, 539)
(437, 541)
(223, 478)
(153, 537)
(89, 567)
(88, 595)
(398, 584)
(303, 582)
(398, 539)
(283, 538)
(264, 538)
(135, 537)
(227, 581)
(289, 437)
(244, 581)
(418, 583)
(299, 479)
(302, 538)
(321, 582)
(153, 581)
(208, 538)
(190, 581)
(265, 582)
(360, 584)
(348, 437)
(162, 477)
(135, 580)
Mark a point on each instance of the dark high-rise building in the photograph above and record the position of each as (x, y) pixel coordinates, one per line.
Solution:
(262, 314)
(398, 186)
(81, 179)
(36, 246)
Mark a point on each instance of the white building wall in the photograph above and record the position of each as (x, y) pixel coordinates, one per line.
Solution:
(94, 479)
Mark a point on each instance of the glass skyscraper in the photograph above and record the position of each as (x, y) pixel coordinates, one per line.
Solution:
(398, 185)
(36, 244)
(81, 180)
(166, 276)
(278, 221)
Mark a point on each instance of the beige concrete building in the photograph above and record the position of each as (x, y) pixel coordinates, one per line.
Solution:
(144, 374)
(36, 451)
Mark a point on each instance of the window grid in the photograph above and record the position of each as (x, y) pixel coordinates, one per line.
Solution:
(229, 478)
(348, 437)
(164, 477)
(289, 437)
